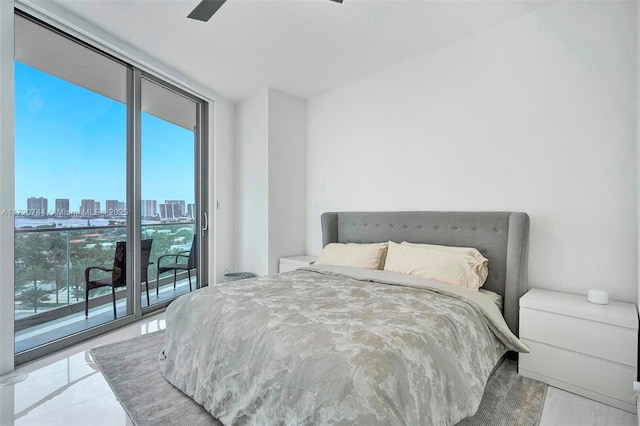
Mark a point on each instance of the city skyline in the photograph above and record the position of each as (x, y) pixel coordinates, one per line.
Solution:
(37, 206)
(71, 144)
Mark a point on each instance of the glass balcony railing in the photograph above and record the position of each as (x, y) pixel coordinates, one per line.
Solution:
(50, 265)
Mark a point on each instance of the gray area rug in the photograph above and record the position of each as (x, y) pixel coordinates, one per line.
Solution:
(509, 399)
(131, 369)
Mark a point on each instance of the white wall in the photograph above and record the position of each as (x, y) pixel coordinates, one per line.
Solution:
(270, 180)
(222, 155)
(6, 187)
(535, 115)
(287, 176)
(252, 183)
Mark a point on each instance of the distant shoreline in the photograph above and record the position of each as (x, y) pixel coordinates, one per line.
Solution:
(62, 223)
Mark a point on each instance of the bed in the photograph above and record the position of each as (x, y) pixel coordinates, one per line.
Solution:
(340, 345)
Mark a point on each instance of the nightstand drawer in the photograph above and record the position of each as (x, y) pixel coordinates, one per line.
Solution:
(589, 337)
(604, 377)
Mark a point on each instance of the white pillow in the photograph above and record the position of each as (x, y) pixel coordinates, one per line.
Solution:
(481, 266)
(448, 266)
(370, 256)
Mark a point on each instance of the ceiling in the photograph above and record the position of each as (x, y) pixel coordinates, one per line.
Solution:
(302, 47)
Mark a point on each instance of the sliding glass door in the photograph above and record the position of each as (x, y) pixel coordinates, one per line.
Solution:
(71, 145)
(168, 210)
(108, 170)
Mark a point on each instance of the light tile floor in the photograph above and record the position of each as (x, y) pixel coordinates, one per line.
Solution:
(563, 408)
(67, 389)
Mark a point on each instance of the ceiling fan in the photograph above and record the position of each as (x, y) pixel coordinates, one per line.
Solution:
(205, 10)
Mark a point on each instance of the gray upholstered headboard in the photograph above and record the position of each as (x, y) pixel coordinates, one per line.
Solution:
(502, 237)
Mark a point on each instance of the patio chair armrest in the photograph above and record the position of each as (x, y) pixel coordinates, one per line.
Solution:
(88, 270)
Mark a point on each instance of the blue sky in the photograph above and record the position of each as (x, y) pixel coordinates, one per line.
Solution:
(70, 143)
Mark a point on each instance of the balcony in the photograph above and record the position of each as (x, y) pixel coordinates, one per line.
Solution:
(49, 277)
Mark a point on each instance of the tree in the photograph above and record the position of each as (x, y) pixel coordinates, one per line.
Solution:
(78, 292)
(44, 257)
(60, 273)
(57, 260)
(28, 248)
(32, 296)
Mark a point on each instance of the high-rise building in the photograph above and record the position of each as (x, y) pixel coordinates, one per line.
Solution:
(181, 206)
(122, 206)
(112, 207)
(170, 211)
(191, 211)
(62, 207)
(88, 207)
(37, 206)
(163, 210)
(149, 208)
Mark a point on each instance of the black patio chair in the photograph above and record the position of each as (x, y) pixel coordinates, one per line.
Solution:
(189, 255)
(118, 271)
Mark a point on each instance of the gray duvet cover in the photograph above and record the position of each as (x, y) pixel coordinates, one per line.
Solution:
(329, 345)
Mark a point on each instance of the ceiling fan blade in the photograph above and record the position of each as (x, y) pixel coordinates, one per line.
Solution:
(337, 1)
(205, 10)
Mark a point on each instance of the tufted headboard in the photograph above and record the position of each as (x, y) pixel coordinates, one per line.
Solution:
(502, 237)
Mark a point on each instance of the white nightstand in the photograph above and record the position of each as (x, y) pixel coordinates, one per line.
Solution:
(581, 347)
(291, 263)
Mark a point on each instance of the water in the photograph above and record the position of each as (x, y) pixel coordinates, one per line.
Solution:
(23, 222)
